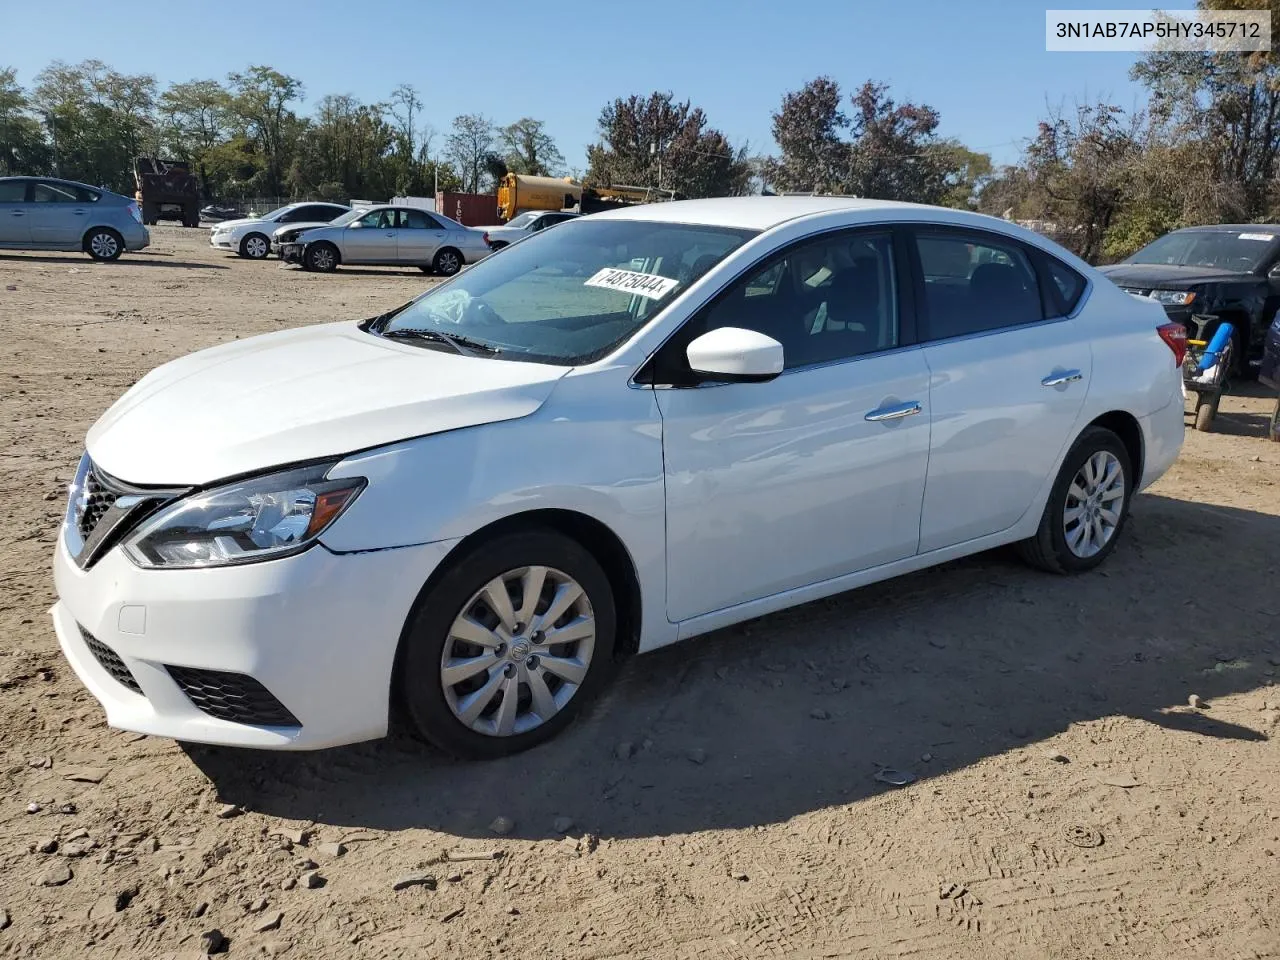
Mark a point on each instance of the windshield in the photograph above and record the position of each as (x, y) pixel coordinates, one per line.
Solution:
(569, 296)
(522, 221)
(348, 217)
(1241, 251)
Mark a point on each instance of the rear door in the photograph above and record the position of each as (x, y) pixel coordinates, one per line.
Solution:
(59, 214)
(14, 214)
(1008, 376)
(420, 237)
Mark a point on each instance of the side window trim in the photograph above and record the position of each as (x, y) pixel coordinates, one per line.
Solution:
(978, 235)
(646, 373)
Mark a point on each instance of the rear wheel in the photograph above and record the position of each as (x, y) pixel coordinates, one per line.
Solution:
(103, 243)
(1087, 506)
(447, 262)
(322, 257)
(255, 246)
(508, 646)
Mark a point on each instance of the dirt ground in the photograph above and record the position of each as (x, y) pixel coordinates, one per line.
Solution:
(722, 799)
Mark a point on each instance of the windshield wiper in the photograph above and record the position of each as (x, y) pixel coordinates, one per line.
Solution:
(463, 345)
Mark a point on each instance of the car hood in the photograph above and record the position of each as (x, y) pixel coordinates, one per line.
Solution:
(242, 222)
(298, 227)
(299, 395)
(1168, 276)
(506, 231)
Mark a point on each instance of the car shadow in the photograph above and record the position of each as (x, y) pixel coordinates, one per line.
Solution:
(1239, 424)
(126, 260)
(798, 711)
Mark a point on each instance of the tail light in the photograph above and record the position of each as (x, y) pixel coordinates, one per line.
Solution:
(1175, 335)
(486, 238)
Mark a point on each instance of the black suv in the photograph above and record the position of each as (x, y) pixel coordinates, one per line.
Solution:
(1205, 275)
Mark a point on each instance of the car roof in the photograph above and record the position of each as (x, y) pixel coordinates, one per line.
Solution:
(73, 183)
(752, 213)
(1231, 228)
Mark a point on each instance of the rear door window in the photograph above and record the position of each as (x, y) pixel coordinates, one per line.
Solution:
(975, 282)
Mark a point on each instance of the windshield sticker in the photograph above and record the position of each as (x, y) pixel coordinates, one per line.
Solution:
(628, 281)
(1264, 237)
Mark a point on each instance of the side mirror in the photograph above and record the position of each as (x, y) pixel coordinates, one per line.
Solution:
(736, 355)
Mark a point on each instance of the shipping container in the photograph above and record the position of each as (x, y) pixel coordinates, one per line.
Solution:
(469, 209)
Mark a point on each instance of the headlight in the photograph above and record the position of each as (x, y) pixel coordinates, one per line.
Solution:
(259, 519)
(1176, 298)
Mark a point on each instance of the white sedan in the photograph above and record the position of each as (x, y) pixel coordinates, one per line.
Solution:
(517, 228)
(630, 430)
(250, 237)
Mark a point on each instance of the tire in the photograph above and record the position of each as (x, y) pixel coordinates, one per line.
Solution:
(103, 244)
(447, 262)
(1054, 548)
(255, 246)
(321, 257)
(1206, 410)
(517, 665)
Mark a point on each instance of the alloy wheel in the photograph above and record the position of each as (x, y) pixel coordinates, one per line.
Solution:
(518, 651)
(322, 259)
(104, 246)
(1094, 504)
(256, 247)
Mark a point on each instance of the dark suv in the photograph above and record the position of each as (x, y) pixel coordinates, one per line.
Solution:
(1205, 275)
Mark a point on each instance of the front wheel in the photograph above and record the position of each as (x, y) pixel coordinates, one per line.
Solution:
(321, 257)
(255, 246)
(1206, 410)
(447, 262)
(510, 643)
(1087, 506)
(103, 244)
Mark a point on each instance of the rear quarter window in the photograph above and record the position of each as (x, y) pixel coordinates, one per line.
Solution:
(1066, 286)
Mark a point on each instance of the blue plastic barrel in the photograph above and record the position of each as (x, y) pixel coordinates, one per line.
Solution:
(1221, 337)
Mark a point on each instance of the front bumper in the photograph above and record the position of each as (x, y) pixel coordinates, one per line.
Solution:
(318, 631)
(288, 252)
(221, 241)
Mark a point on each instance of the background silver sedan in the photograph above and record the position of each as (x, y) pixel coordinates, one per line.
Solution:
(389, 236)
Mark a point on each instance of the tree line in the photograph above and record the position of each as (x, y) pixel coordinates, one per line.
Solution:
(1099, 178)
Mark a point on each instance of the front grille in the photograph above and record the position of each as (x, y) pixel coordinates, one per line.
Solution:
(102, 510)
(95, 501)
(110, 661)
(232, 696)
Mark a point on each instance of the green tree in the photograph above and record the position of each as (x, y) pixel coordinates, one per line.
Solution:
(530, 149)
(468, 147)
(260, 102)
(97, 120)
(657, 142)
(23, 148)
(810, 131)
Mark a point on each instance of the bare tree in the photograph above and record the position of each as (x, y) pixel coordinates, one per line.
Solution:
(468, 147)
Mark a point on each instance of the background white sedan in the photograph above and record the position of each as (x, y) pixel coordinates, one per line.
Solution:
(517, 228)
(386, 235)
(251, 236)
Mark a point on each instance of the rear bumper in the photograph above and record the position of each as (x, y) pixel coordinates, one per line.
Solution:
(136, 237)
(1162, 434)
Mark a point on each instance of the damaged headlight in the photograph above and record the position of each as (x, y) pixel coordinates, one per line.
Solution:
(1173, 298)
(256, 519)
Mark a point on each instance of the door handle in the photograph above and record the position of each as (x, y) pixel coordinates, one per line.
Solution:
(79, 213)
(1058, 379)
(391, 233)
(896, 412)
(16, 213)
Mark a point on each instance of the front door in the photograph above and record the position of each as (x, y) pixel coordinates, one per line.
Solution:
(817, 473)
(14, 214)
(1007, 383)
(373, 241)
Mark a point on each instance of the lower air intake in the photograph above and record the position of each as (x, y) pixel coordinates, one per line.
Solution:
(232, 696)
(110, 661)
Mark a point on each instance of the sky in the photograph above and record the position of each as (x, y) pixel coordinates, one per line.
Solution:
(981, 64)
